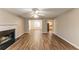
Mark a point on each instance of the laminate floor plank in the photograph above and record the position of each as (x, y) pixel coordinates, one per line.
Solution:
(40, 41)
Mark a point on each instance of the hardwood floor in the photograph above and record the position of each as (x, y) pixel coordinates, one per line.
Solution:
(39, 41)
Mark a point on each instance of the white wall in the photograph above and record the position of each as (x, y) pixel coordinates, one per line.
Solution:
(67, 26)
(11, 21)
(26, 25)
(44, 26)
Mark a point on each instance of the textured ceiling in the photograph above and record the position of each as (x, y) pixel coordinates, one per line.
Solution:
(43, 12)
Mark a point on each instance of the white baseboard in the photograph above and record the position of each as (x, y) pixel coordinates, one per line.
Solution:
(68, 41)
(18, 36)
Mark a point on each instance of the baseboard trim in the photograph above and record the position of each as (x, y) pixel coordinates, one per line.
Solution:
(19, 36)
(67, 41)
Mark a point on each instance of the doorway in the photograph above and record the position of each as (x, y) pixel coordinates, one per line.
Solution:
(35, 25)
(50, 25)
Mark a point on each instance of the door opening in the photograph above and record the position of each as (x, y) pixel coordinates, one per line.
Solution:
(35, 25)
(50, 25)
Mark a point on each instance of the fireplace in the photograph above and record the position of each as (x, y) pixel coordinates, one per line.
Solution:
(7, 38)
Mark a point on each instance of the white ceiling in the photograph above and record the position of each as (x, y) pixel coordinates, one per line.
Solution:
(43, 12)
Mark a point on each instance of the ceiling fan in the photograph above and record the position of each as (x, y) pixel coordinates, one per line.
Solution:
(36, 13)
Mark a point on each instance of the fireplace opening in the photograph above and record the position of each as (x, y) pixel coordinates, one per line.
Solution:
(7, 38)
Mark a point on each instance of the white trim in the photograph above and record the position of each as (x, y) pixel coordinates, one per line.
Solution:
(18, 36)
(67, 41)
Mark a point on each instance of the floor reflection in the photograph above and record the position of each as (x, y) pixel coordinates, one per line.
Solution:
(38, 39)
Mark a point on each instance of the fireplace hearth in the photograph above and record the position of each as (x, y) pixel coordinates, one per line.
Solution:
(7, 38)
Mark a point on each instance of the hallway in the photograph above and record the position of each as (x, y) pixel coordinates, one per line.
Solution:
(36, 40)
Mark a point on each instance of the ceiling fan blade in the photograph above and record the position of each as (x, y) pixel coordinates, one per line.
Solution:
(41, 14)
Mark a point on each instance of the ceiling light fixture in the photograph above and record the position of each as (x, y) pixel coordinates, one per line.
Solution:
(35, 12)
(35, 16)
